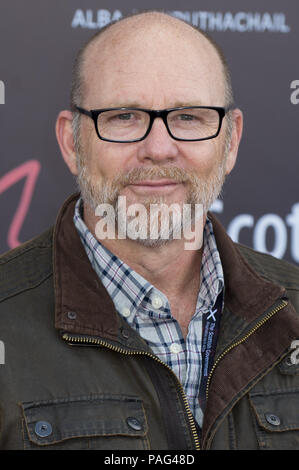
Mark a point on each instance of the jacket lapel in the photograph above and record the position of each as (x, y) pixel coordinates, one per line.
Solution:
(257, 328)
(77, 286)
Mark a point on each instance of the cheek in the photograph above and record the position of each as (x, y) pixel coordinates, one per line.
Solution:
(204, 156)
(99, 157)
(109, 160)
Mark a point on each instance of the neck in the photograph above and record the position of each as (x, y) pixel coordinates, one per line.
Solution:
(171, 268)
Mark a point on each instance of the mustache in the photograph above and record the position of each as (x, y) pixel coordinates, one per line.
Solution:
(179, 175)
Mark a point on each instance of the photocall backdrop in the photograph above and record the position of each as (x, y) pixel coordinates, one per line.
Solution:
(38, 42)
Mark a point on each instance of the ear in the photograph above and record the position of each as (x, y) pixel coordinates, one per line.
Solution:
(237, 129)
(65, 138)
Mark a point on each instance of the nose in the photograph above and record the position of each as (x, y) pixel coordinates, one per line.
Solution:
(158, 146)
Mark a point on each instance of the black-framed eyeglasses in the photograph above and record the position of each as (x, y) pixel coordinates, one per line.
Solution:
(188, 123)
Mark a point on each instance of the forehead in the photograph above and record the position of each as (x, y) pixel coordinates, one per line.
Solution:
(152, 62)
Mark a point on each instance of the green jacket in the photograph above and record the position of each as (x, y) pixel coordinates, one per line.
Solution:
(76, 376)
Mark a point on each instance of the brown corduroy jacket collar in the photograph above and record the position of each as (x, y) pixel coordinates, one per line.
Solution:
(250, 301)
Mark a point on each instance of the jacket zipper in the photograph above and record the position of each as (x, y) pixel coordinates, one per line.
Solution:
(96, 341)
(275, 310)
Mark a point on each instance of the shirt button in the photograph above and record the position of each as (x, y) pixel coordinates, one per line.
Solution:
(43, 429)
(157, 302)
(126, 312)
(175, 348)
(272, 419)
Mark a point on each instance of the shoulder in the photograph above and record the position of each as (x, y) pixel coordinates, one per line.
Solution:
(271, 268)
(26, 266)
(276, 270)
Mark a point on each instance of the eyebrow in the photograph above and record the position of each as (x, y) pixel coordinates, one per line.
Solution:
(182, 104)
(177, 104)
(123, 105)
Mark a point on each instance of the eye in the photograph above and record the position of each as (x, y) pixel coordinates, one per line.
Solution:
(123, 116)
(186, 117)
(119, 118)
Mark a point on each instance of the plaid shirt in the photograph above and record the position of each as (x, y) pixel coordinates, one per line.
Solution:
(147, 310)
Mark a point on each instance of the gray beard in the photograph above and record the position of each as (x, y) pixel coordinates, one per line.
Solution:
(200, 191)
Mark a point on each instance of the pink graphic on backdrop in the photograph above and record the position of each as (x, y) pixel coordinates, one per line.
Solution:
(30, 171)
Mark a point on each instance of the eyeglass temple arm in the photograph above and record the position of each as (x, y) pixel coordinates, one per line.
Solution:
(83, 111)
(230, 107)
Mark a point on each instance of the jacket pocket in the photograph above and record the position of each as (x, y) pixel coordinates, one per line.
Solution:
(277, 419)
(85, 422)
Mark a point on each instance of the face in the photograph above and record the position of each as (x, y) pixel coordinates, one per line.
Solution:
(160, 69)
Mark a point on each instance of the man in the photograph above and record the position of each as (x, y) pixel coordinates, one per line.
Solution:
(135, 342)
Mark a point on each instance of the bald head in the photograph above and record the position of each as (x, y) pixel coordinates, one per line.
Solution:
(157, 34)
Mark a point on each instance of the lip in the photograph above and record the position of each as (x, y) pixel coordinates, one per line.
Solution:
(156, 183)
(154, 186)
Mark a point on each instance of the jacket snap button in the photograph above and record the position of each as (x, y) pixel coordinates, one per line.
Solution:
(43, 429)
(125, 334)
(134, 423)
(72, 315)
(272, 419)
